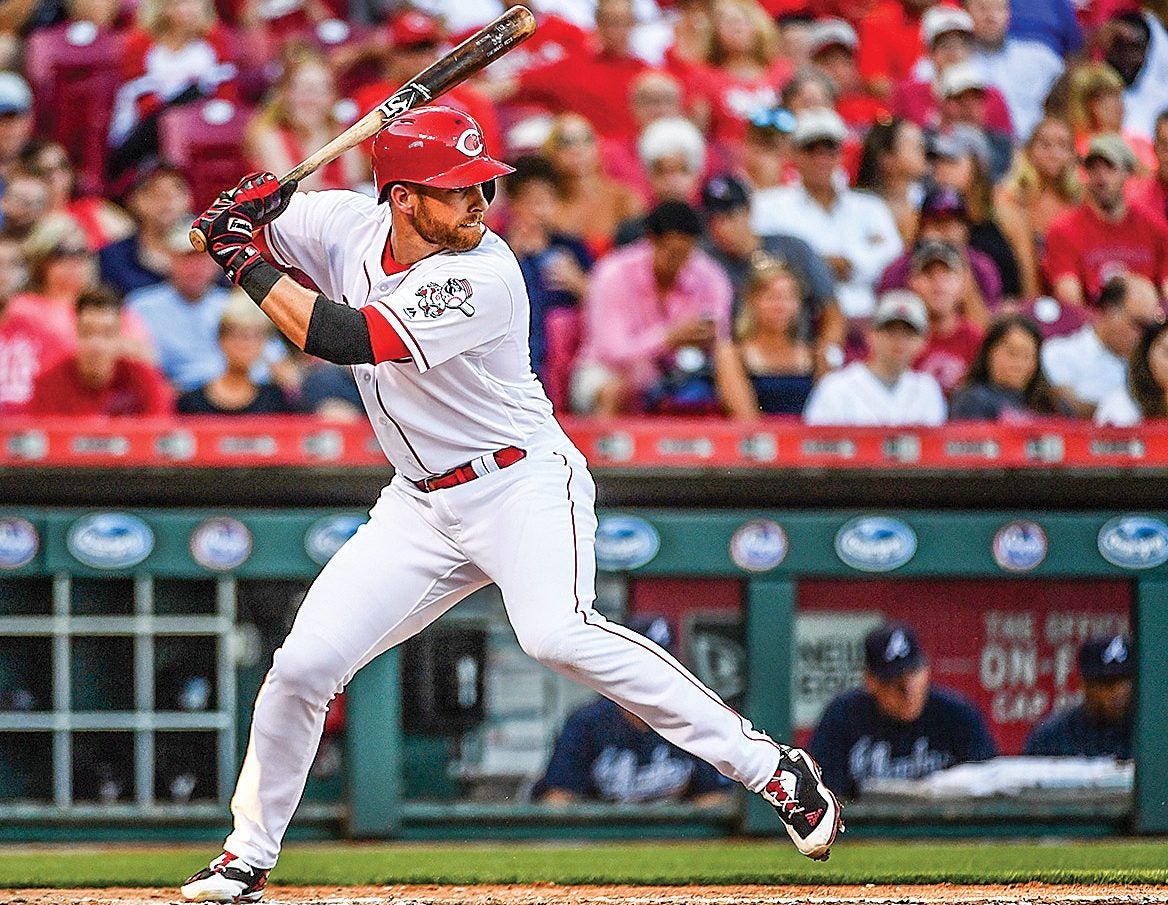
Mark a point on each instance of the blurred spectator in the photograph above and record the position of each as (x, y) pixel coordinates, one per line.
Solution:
(159, 200)
(939, 277)
(653, 96)
(99, 379)
(1095, 106)
(1150, 193)
(770, 369)
(766, 153)
(590, 205)
(1103, 235)
(741, 71)
(102, 221)
(244, 331)
(892, 166)
(808, 89)
(890, 43)
(24, 203)
(673, 153)
(899, 725)
(605, 753)
(655, 311)
(884, 390)
(299, 118)
(1052, 22)
(555, 266)
(832, 47)
(1102, 724)
(594, 84)
(27, 345)
(1087, 366)
(733, 244)
(1142, 64)
(180, 54)
(16, 122)
(945, 218)
(415, 41)
(962, 165)
(1022, 70)
(853, 231)
(921, 97)
(329, 391)
(964, 104)
(60, 268)
(1146, 395)
(183, 313)
(1042, 185)
(1005, 381)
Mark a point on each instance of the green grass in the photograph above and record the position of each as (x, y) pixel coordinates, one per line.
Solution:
(635, 863)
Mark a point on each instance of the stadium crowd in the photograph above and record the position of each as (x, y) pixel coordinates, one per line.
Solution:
(878, 212)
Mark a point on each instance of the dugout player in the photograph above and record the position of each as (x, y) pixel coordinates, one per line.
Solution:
(429, 308)
(898, 725)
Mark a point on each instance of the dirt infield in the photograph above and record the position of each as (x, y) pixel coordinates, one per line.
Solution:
(1024, 894)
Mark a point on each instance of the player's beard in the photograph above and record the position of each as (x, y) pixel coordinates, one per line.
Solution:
(455, 238)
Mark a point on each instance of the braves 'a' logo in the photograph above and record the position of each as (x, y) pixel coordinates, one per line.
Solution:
(454, 293)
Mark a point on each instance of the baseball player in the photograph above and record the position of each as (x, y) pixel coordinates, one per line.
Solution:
(429, 309)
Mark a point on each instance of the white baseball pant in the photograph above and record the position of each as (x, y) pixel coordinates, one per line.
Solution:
(529, 528)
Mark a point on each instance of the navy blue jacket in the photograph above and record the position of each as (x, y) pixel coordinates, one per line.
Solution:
(1070, 733)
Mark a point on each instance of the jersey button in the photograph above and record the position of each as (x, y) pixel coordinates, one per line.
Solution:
(383, 420)
(367, 378)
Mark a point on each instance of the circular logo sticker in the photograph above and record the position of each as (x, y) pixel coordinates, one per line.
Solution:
(625, 542)
(759, 545)
(110, 540)
(221, 543)
(1020, 546)
(875, 543)
(470, 143)
(328, 535)
(1134, 542)
(19, 542)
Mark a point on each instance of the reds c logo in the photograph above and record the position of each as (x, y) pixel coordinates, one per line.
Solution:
(470, 143)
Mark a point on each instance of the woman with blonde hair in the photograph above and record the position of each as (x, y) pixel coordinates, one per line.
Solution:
(589, 205)
(61, 267)
(299, 118)
(742, 70)
(179, 54)
(1042, 185)
(1095, 105)
(769, 370)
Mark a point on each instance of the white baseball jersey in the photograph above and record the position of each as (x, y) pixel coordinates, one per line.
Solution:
(854, 396)
(469, 388)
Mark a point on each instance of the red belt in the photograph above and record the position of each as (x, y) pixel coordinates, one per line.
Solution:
(476, 468)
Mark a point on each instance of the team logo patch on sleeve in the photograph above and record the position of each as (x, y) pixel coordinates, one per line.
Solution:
(435, 300)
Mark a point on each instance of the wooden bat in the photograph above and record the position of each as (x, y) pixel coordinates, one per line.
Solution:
(478, 51)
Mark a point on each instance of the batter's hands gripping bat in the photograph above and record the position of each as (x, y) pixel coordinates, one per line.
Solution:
(475, 53)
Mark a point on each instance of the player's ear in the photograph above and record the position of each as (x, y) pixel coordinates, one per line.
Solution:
(399, 195)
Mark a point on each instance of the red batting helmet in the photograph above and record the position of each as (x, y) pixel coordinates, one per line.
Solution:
(436, 146)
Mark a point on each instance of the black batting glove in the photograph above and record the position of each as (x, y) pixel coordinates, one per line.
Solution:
(261, 198)
(229, 237)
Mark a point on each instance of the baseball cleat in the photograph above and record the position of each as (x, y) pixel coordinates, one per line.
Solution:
(226, 879)
(808, 809)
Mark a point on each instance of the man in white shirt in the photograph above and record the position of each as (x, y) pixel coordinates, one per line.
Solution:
(854, 232)
(1090, 364)
(1022, 70)
(883, 391)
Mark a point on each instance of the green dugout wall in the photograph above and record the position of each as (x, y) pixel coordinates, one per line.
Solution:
(94, 605)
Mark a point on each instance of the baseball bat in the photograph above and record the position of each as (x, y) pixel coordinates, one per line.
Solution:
(478, 51)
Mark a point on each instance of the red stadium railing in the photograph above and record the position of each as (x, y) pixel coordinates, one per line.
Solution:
(626, 443)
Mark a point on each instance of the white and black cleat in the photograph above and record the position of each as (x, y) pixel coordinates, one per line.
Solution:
(808, 809)
(226, 879)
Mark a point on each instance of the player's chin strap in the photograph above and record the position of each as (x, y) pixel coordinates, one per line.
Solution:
(336, 332)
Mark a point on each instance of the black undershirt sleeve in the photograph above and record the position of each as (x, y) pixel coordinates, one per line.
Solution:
(339, 334)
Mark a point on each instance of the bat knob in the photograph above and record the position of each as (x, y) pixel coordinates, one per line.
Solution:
(197, 239)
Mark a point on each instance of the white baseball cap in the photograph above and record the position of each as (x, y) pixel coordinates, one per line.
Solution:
(961, 77)
(819, 124)
(904, 306)
(940, 20)
(15, 95)
(830, 33)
